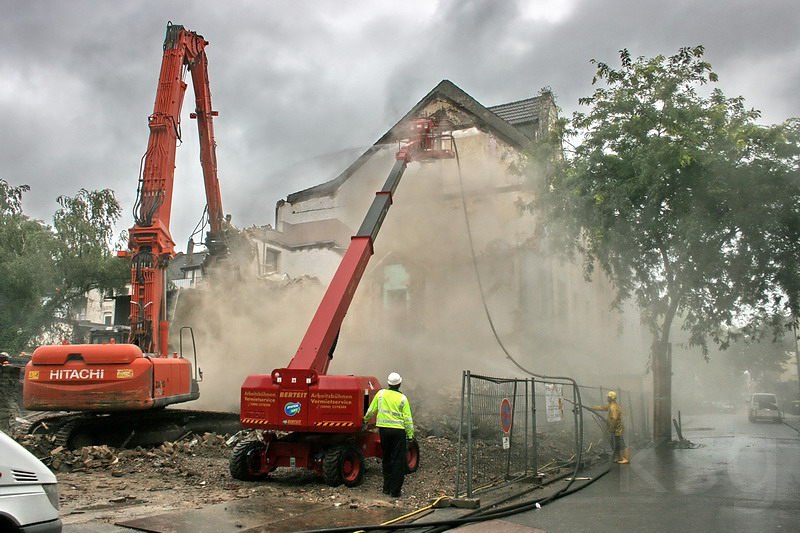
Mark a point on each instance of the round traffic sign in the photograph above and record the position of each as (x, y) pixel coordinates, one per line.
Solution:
(505, 415)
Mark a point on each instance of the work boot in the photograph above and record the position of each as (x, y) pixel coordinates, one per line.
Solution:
(626, 456)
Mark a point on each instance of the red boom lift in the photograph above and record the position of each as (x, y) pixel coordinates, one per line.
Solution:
(141, 374)
(323, 414)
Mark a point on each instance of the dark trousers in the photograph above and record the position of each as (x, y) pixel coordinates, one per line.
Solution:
(619, 445)
(393, 442)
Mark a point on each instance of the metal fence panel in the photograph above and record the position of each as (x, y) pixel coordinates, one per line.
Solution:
(512, 428)
(497, 433)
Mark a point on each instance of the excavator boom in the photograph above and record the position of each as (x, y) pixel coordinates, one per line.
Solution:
(150, 243)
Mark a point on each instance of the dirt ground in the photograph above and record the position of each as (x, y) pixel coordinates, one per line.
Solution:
(106, 484)
(102, 484)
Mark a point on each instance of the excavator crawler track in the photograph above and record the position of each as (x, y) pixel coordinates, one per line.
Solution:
(131, 429)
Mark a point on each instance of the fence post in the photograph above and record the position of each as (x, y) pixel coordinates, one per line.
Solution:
(469, 435)
(460, 433)
(511, 431)
(525, 440)
(575, 417)
(533, 423)
(630, 414)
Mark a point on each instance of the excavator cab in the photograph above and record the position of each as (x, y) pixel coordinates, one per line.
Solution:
(109, 335)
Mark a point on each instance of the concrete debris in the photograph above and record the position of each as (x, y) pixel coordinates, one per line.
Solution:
(10, 395)
(106, 457)
(236, 437)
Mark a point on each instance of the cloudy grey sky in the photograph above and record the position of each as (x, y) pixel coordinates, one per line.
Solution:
(303, 86)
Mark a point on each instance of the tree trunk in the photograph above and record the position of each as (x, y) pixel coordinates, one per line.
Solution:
(662, 378)
(662, 392)
(796, 352)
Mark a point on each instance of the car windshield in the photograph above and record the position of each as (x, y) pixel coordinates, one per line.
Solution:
(764, 399)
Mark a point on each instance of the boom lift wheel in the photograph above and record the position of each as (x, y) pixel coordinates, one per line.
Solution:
(412, 456)
(245, 462)
(343, 464)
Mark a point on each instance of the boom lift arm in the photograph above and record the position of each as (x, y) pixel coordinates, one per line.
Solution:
(324, 413)
(316, 349)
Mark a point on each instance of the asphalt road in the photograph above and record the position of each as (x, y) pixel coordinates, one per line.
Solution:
(744, 477)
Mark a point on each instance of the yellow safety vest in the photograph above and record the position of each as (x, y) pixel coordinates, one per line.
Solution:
(393, 411)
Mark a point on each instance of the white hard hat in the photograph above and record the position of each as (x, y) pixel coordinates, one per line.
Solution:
(394, 379)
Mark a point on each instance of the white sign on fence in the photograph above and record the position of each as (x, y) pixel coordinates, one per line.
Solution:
(554, 401)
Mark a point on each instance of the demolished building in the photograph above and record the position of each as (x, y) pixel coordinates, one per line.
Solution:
(420, 292)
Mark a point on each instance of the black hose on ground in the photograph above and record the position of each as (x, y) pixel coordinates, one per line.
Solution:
(481, 516)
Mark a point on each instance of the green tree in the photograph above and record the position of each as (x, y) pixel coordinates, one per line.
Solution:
(672, 193)
(84, 227)
(27, 274)
(45, 270)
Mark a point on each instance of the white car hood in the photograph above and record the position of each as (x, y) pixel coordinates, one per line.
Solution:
(18, 466)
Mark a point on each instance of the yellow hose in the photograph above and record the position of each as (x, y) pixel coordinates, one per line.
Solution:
(409, 515)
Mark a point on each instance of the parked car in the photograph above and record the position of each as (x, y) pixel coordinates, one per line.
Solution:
(28, 491)
(764, 406)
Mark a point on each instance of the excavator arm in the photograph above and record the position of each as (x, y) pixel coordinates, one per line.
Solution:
(150, 243)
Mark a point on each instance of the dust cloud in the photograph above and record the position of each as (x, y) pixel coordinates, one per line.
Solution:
(419, 309)
(429, 325)
(242, 327)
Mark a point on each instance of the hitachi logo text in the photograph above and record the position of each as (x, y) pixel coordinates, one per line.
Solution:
(83, 373)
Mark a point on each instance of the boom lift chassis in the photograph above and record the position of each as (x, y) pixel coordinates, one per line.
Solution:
(323, 414)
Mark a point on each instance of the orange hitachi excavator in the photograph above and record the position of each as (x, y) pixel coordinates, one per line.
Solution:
(140, 375)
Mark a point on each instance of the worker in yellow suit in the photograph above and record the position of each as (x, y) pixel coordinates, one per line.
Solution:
(396, 427)
(616, 427)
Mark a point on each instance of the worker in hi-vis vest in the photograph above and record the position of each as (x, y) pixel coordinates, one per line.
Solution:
(395, 426)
